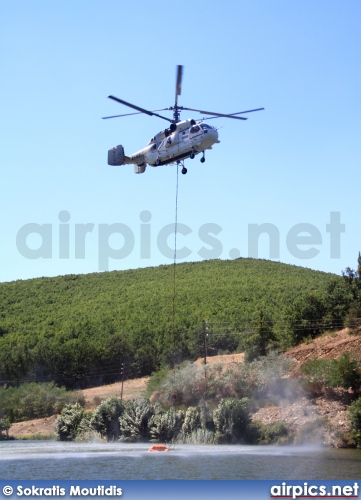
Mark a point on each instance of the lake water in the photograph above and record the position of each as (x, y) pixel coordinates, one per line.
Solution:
(24, 460)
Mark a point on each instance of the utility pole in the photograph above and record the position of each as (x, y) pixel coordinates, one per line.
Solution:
(122, 372)
(205, 342)
(205, 347)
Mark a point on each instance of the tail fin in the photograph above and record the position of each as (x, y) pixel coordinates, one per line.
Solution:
(116, 156)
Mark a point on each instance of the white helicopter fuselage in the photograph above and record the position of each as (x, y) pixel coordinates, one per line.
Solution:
(185, 139)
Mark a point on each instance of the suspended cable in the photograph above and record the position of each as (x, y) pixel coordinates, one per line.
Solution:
(175, 253)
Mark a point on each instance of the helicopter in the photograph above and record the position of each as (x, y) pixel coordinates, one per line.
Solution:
(182, 139)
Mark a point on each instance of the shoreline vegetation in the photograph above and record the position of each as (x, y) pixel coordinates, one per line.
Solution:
(59, 336)
(226, 403)
(210, 405)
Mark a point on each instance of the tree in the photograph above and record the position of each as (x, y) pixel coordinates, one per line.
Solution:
(337, 301)
(135, 418)
(349, 275)
(231, 420)
(68, 422)
(192, 420)
(205, 415)
(353, 318)
(352, 280)
(345, 372)
(323, 373)
(106, 418)
(85, 431)
(355, 418)
(305, 318)
(165, 426)
(260, 338)
(4, 427)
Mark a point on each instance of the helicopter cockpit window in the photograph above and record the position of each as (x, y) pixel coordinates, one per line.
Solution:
(205, 126)
(194, 129)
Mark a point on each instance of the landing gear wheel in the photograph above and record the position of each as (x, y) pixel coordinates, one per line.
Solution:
(184, 170)
(157, 162)
(203, 159)
(192, 155)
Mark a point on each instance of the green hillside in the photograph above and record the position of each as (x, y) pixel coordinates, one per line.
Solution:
(78, 329)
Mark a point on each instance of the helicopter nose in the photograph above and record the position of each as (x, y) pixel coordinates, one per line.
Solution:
(214, 134)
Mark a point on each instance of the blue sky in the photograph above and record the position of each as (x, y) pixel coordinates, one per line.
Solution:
(297, 162)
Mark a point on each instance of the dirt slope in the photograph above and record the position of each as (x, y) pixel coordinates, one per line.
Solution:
(325, 418)
(131, 389)
(227, 359)
(330, 346)
(43, 426)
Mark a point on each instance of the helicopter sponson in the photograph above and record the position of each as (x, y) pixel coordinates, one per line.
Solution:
(181, 140)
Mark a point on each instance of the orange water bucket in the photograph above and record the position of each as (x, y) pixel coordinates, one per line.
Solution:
(158, 447)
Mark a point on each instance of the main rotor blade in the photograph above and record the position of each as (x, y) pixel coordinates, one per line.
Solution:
(141, 110)
(216, 115)
(178, 87)
(249, 111)
(129, 114)
(118, 116)
(240, 113)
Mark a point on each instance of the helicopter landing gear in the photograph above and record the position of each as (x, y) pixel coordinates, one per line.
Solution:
(157, 162)
(181, 163)
(202, 160)
(192, 155)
